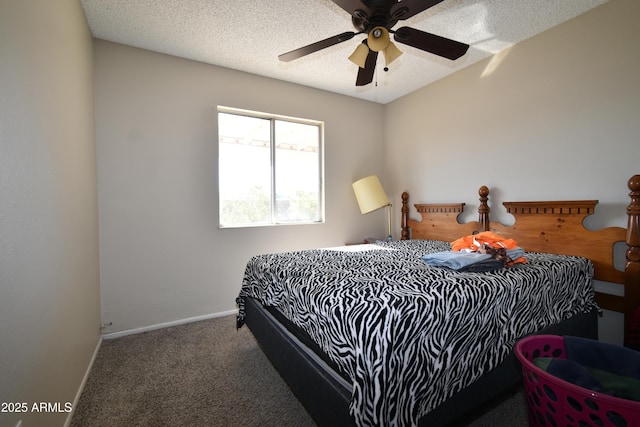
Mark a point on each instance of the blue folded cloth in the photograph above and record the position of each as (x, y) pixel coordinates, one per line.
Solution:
(469, 261)
(454, 260)
(515, 253)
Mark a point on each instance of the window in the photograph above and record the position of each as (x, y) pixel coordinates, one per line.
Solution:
(270, 169)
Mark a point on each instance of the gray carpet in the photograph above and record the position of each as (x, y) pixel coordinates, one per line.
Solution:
(204, 374)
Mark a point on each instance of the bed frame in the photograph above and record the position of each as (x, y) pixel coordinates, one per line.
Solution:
(552, 227)
(544, 226)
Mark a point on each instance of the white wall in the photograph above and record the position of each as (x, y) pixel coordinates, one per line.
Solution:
(163, 257)
(49, 290)
(555, 117)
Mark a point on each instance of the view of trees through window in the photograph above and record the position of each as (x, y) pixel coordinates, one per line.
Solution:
(270, 170)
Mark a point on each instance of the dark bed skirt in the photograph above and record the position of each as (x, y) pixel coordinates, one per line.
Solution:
(326, 398)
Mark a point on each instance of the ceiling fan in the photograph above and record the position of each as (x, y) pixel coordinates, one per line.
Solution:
(376, 18)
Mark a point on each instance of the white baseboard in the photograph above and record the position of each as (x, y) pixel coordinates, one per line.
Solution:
(67, 423)
(168, 324)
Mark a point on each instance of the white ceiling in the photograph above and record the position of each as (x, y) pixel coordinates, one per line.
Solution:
(248, 35)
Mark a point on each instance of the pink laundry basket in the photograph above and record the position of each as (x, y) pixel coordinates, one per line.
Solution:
(552, 401)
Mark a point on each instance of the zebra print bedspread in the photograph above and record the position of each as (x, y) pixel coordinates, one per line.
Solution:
(407, 335)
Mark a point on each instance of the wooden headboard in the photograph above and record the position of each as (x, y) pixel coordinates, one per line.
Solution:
(440, 221)
(548, 226)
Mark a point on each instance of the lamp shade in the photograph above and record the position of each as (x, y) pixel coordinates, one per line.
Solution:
(370, 194)
(378, 39)
(391, 53)
(359, 56)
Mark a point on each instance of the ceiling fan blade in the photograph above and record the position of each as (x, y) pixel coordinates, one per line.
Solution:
(351, 6)
(314, 47)
(437, 45)
(365, 75)
(405, 9)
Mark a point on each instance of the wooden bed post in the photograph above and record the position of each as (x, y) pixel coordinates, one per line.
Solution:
(483, 209)
(405, 216)
(632, 268)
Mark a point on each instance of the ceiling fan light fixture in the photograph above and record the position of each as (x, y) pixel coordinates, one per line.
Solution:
(378, 39)
(391, 53)
(359, 56)
(377, 18)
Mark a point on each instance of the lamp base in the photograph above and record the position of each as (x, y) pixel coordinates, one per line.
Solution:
(389, 238)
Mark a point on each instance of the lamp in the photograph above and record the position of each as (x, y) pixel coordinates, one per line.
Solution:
(391, 53)
(371, 196)
(359, 56)
(377, 40)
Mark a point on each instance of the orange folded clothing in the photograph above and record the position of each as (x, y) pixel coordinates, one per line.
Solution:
(476, 241)
(487, 242)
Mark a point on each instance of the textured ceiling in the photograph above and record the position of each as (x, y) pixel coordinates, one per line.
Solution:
(248, 35)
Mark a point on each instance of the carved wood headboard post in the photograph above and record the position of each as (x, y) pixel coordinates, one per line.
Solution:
(483, 209)
(405, 217)
(632, 268)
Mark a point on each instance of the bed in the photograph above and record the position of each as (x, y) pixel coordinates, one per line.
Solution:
(370, 335)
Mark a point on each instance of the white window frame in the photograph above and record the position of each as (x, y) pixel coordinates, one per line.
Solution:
(273, 167)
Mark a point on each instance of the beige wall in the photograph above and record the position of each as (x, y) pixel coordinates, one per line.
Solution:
(49, 290)
(555, 117)
(163, 257)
